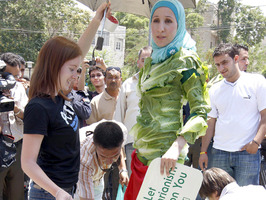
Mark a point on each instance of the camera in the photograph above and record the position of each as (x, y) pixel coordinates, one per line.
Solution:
(7, 82)
(91, 62)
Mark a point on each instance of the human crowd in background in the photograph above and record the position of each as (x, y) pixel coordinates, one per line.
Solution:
(74, 143)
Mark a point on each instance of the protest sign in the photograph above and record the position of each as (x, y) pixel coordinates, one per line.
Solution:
(183, 183)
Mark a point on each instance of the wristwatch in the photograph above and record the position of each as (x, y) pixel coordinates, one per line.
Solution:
(122, 170)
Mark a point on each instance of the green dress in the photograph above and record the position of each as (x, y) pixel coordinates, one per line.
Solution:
(164, 89)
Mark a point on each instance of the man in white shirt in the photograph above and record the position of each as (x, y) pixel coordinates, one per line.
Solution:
(237, 120)
(127, 108)
(243, 57)
(11, 122)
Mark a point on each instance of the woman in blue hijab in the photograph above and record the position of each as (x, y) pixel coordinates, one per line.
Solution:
(173, 75)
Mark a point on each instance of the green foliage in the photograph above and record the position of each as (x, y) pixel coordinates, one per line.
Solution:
(264, 73)
(225, 10)
(27, 24)
(137, 36)
(250, 25)
(20, 28)
(62, 17)
(193, 21)
(257, 59)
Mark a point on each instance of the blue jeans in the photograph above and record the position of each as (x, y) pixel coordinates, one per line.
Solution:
(37, 193)
(241, 165)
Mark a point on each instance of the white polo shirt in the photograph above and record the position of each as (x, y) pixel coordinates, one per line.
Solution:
(237, 108)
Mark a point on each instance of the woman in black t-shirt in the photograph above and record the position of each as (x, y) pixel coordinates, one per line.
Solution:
(51, 148)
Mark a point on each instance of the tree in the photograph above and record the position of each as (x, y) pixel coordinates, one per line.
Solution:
(225, 19)
(20, 28)
(250, 25)
(257, 59)
(27, 24)
(62, 17)
(137, 36)
(193, 21)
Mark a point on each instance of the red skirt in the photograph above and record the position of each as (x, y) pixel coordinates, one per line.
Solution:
(138, 173)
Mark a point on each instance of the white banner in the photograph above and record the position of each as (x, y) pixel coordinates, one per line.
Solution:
(183, 183)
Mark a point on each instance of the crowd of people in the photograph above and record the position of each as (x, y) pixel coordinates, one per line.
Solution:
(72, 142)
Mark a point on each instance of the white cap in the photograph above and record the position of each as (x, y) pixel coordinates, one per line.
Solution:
(2, 64)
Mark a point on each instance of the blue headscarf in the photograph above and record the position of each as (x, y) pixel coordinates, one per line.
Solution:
(182, 38)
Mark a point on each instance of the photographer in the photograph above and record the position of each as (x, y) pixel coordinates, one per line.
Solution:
(11, 175)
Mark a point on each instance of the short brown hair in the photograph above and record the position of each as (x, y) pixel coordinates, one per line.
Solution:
(214, 180)
(146, 48)
(225, 48)
(54, 53)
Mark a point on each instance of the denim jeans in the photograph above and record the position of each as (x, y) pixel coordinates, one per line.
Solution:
(37, 193)
(241, 165)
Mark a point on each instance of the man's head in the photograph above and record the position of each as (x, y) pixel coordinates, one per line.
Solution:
(214, 181)
(113, 78)
(108, 138)
(226, 60)
(22, 64)
(96, 76)
(75, 83)
(243, 61)
(144, 53)
(12, 63)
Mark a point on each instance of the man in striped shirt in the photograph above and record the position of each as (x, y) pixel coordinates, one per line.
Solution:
(98, 151)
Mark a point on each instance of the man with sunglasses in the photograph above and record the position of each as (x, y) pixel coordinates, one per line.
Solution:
(99, 150)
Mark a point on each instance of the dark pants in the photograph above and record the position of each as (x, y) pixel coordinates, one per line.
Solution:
(194, 154)
(12, 179)
(111, 183)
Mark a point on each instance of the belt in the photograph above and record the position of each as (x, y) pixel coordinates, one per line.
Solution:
(70, 190)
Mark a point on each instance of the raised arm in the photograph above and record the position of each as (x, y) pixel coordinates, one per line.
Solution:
(88, 35)
(82, 78)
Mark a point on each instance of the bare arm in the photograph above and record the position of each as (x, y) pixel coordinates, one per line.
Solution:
(203, 160)
(169, 159)
(252, 147)
(30, 150)
(123, 175)
(81, 82)
(88, 35)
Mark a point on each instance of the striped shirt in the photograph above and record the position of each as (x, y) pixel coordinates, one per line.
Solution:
(90, 172)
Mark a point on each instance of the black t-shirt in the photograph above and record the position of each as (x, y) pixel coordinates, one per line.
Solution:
(92, 94)
(59, 155)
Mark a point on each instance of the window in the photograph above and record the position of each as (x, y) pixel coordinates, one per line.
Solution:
(119, 44)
